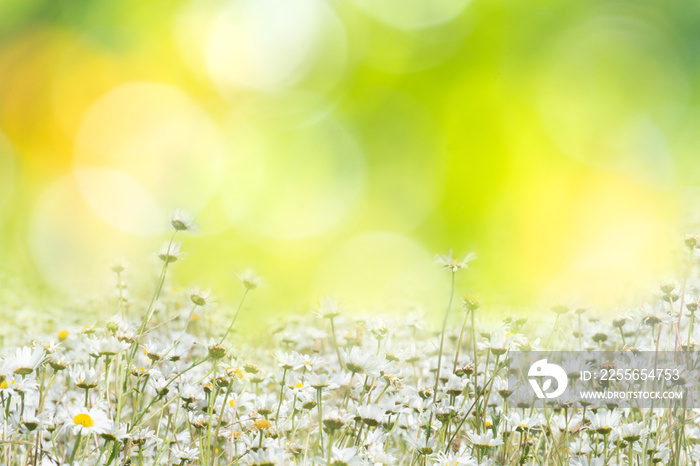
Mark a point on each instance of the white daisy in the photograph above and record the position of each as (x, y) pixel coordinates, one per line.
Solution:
(88, 421)
(25, 360)
(449, 263)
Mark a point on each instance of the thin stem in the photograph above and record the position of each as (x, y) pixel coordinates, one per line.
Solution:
(459, 343)
(690, 328)
(335, 343)
(145, 410)
(685, 281)
(330, 446)
(121, 294)
(277, 416)
(159, 288)
(442, 344)
(320, 416)
(238, 309)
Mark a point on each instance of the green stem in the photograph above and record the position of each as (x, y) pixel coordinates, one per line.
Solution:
(235, 316)
(685, 281)
(145, 410)
(320, 416)
(622, 335)
(76, 447)
(459, 343)
(442, 344)
(335, 343)
(279, 405)
(159, 288)
(121, 294)
(330, 446)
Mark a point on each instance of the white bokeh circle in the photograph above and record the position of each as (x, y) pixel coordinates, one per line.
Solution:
(121, 201)
(158, 136)
(70, 244)
(270, 44)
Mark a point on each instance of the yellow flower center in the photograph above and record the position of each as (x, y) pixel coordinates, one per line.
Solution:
(84, 420)
(195, 317)
(6, 384)
(300, 385)
(62, 335)
(263, 424)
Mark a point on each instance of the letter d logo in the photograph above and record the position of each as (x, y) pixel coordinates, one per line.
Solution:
(543, 369)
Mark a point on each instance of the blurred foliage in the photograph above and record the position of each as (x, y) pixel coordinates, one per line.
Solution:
(335, 146)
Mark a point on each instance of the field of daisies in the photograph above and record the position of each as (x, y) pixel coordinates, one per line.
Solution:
(328, 389)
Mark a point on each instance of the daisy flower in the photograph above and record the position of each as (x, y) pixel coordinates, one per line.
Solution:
(442, 459)
(371, 414)
(250, 279)
(109, 346)
(186, 454)
(632, 432)
(343, 457)
(199, 297)
(25, 360)
(449, 263)
(603, 422)
(88, 421)
(358, 362)
(652, 316)
(485, 440)
(329, 308)
(170, 252)
(84, 379)
(182, 221)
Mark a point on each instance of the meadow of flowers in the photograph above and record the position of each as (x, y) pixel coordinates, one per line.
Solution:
(152, 387)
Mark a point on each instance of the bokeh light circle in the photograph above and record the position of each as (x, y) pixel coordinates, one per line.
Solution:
(612, 91)
(270, 44)
(293, 183)
(121, 201)
(72, 246)
(158, 136)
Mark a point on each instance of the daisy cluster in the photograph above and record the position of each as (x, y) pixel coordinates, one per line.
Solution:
(329, 389)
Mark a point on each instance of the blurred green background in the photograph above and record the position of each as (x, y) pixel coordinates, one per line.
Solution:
(336, 146)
